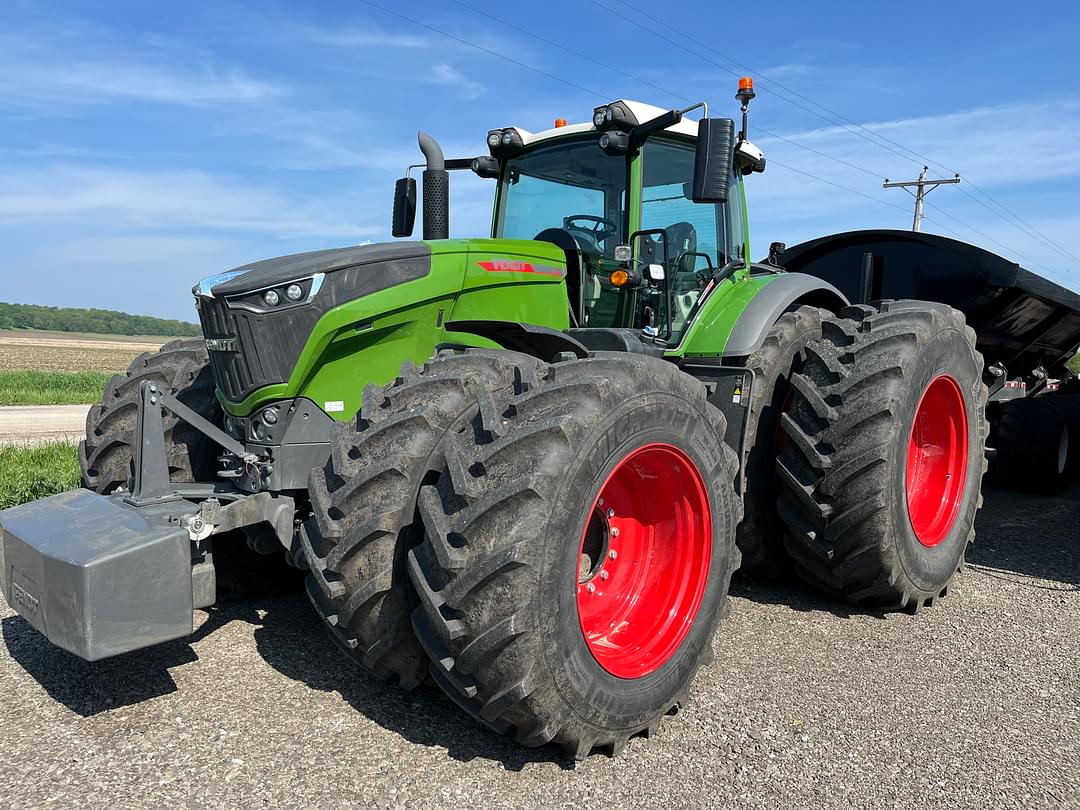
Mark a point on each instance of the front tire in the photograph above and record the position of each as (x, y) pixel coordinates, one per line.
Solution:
(517, 560)
(885, 454)
(182, 367)
(364, 504)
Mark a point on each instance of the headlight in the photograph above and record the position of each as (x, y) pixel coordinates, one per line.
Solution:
(271, 298)
(294, 292)
(270, 416)
(494, 138)
(614, 142)
(615, 115)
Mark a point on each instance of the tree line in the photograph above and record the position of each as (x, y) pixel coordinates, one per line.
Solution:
(97, 321)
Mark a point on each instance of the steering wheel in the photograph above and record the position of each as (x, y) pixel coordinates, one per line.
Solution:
(601, 229)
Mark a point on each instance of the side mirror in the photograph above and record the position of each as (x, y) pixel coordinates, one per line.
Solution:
(714, 159)
(404, 207)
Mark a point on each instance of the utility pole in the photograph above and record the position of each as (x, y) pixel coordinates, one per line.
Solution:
(923, 187)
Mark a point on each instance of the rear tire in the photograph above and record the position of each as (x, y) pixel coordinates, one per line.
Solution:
(1035, 442)
(181, 367)
(761, 533)
(885, 454)
(364, 504)
(505, 611)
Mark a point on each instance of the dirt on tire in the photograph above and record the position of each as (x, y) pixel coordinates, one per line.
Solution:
(497, 573)
(844, 503)
(180, 367)
(364, 504)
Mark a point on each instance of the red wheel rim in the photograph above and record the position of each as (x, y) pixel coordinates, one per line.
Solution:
(644, 560)
(937, 460)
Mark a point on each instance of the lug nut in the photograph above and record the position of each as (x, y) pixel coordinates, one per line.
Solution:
(590, 588)
(611, 513)
(603, 575)
(613, 554)
(614, 531)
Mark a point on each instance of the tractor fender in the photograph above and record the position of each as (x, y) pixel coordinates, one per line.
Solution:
(785, 292)
(539, 341)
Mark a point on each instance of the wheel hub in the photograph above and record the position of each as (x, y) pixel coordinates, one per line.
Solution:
(644, 560)
(937, 460)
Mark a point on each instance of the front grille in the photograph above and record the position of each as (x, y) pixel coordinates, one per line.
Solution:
(231, 374)
(250, 350)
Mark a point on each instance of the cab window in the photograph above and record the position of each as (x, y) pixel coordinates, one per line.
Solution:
(693, 233)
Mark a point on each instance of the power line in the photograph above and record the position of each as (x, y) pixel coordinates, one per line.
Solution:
(667, 91)
(596, 93)
(488, 51)
(1020, 224)
(842, 187)
(860, 131)
(1015, 220)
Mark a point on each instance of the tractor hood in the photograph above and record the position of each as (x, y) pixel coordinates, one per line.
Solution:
(255, 330)
(267, 273)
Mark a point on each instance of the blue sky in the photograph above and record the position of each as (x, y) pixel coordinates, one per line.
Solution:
(144, 145)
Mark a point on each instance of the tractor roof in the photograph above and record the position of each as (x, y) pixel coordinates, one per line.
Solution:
(643, 112)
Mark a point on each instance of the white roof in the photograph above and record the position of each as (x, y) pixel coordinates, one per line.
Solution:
(643, 112)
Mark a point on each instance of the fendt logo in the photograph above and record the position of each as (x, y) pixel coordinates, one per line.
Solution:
(514, 266)
(221, 344)
(23, 601)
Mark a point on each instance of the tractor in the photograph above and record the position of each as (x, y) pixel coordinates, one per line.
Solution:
(525, 467)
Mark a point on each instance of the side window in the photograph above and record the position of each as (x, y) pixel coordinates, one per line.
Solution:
(735, 225)
(692, 228)
(694, 231)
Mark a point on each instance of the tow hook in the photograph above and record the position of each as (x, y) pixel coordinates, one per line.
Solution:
(201, 525)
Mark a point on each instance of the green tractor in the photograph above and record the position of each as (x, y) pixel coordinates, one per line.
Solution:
(526, 466)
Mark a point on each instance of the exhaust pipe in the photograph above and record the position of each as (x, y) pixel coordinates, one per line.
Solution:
(436, 189)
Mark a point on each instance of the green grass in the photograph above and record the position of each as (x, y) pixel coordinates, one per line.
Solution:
(29, 473)
(51, 387)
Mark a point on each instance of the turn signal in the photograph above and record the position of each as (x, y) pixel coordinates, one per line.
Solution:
(619, 278)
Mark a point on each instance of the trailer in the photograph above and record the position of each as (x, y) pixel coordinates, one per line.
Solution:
(1027, 328)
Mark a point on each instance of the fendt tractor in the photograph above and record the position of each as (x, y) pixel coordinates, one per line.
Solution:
(525, 467)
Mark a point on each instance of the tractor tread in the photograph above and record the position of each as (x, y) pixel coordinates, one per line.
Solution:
(843, 431)
(357, 556)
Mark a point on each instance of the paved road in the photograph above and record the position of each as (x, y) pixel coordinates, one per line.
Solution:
(36, 424)
(973, 703)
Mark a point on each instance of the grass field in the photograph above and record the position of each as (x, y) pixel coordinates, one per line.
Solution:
(51, 387)
(29, 473)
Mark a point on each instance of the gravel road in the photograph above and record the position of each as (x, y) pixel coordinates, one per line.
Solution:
(972, 703)
(36, 424)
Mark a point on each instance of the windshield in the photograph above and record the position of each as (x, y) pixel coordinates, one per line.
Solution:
(571, 185)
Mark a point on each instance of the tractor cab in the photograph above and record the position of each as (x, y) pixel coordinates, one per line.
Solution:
(647, 205)
(642, 251)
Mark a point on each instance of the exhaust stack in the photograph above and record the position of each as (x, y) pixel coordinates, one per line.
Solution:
(436, 189)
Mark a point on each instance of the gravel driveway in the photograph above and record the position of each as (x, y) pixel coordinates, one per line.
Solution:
(972, 703)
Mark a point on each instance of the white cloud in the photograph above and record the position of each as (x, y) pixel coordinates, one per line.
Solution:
(448, 76)
(1017, 153)
(163, 199)
(89, 81)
